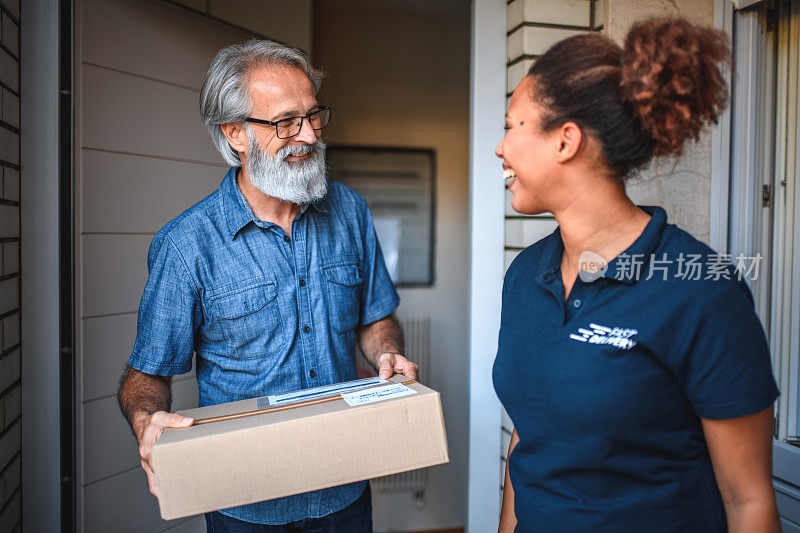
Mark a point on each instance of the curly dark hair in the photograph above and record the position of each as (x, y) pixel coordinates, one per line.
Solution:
(640, 103)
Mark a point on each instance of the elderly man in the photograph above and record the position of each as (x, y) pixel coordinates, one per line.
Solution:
(270, 280)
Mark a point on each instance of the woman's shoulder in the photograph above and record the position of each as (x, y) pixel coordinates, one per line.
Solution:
(695, 266)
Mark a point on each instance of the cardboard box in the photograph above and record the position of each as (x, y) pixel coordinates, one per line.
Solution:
(295, 448)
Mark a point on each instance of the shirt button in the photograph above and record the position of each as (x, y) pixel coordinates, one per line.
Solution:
(312, 374)
(306, 329)
(286, 238)
(302, 282)
(576, 304)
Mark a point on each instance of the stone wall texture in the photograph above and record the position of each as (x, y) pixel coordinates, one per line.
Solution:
(682, 186)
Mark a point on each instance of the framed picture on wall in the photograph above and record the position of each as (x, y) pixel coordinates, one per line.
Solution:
(399, 186)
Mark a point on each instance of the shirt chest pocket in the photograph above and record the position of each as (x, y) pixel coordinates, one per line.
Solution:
(345, 280)
(246, 320)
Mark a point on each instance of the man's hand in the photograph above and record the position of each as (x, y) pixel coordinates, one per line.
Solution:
(381, 342)
(144, 400)
(394, 363)
(148, 428)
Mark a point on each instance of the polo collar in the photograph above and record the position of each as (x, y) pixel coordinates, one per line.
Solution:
(237, 212)
(550, 263)
(637, 255)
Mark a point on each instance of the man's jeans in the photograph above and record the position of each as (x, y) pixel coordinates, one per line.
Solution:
(355, 518)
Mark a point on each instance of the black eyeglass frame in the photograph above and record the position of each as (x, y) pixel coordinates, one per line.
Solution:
(302, 117)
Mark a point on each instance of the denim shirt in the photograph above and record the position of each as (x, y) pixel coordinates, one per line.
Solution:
(264, 312)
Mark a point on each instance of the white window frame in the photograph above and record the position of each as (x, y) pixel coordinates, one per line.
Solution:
(783, 335)
(737, 182)
(720, 151)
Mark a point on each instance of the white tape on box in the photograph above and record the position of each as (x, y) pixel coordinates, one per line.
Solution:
(377, 394)
(318, 392)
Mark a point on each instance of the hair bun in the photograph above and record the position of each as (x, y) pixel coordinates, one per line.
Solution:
(672, 78)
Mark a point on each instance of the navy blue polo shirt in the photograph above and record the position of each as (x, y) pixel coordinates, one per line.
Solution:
(606, 389)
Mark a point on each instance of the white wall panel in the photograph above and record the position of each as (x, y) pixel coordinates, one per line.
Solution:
(131, 114)
(516, 72)
(522, 232)
(564, 12)
(184, 393)
(529, 40)
(269, 17)
(123, 504)
(107, 344)
(124, 193)
(145, 38)
(510, 255)
(193, 525)
(114, 273)
(109, 445)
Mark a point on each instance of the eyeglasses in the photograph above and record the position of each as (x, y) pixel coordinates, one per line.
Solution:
(289, 127)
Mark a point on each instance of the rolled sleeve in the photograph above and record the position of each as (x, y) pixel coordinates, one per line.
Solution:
(379, 297)
(169, 314)
(726, 370)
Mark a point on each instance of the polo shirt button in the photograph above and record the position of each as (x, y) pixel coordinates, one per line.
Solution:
(576, 303)
(312, 374)
(286, 238)
(306, 329)
(302, 282)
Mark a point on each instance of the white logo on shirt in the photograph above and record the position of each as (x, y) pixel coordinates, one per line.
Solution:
(597, 334)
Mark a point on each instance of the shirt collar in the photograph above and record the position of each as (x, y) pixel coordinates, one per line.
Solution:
(236, 210)
(551, 256)
(639, 252)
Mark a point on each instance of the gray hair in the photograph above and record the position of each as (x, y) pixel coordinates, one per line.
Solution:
(224, 96)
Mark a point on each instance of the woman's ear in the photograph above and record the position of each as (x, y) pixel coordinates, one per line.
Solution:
(236, 135)
(570, 138)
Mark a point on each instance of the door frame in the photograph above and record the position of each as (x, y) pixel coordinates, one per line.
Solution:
(41, 288)
(41, 285)
(487, 233)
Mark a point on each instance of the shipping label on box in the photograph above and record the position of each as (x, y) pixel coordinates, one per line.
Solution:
(304, 441)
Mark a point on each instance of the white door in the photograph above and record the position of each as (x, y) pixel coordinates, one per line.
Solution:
(142, 157)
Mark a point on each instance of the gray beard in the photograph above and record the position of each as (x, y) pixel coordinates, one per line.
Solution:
(302, 182)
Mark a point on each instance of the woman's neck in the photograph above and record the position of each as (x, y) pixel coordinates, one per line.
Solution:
(601, 219)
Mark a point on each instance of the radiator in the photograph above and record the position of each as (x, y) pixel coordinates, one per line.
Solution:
(417, 332)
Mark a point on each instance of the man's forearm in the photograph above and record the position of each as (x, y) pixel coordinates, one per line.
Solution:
(380, 337)
(142, 395)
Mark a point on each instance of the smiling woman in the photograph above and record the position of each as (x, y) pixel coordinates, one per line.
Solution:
(627, 386)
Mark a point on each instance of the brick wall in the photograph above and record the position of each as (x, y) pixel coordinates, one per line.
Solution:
(10, 388)
(533, 26)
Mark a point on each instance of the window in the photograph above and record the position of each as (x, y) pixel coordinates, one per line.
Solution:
(784, 304)
(765, 197)
(398, 184)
